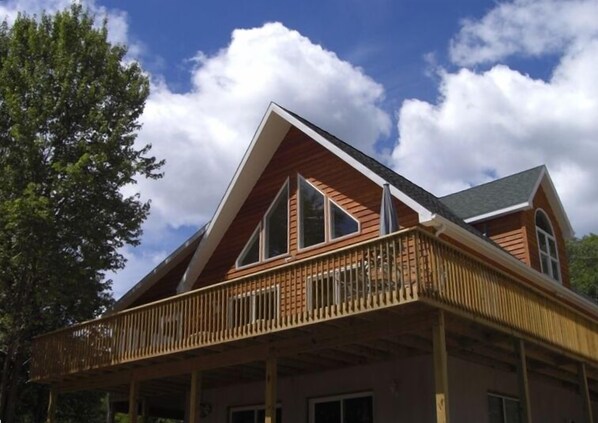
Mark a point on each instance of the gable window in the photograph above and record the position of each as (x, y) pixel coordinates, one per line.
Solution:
(549, 259)
(355, 408)
(502, 409)
(271, 237)
(321, 219)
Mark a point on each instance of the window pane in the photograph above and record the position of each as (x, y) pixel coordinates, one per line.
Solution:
(552, 246)
(543, 242)
(341, 223)
(251, 253)
(311, 215)
(245, 416)
(512, 414)
(555, 270)
(495, 410)
(327, 412)
(542, 222)
(544, 261)
(358, 410)
(277, 226)
(322, 292)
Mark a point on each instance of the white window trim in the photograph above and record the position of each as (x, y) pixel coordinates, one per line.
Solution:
(252, 311)
(327, 223)
(341, 397)
(540, 252)
(264, 226)
(330, 203)
(261, 230)
(337, 285)
(256, 232)
(503, 398)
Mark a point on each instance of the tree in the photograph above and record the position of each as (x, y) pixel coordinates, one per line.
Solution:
(583, 265)
(69, 111)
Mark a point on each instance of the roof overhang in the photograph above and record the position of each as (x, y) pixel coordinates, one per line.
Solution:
(270, 133)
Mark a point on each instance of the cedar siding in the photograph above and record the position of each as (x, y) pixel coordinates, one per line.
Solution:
(298, 154)
(509, 232)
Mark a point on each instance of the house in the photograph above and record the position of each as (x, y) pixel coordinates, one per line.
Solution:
(328, 288)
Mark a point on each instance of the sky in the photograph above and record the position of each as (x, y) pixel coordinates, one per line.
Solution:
(450, 94)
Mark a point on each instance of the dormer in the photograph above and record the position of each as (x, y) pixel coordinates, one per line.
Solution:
(523, 214)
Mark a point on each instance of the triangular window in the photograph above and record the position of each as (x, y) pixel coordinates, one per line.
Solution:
(274, 229)
(251, 252)
(341, 222)
(276, 225)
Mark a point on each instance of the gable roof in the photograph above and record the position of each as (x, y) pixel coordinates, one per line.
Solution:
(507, 195)
(270, 133)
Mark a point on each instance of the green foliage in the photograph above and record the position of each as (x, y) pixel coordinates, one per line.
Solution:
(69, 110)
(583, 264)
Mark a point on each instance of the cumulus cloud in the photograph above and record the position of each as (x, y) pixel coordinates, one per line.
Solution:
(525, 27)
(500, 121)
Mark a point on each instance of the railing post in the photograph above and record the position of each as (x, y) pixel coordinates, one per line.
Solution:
(195, 397)
(526, 414)
(585, 392)
(271, 379)
(52, 397)
(133, 393)
(440, 369)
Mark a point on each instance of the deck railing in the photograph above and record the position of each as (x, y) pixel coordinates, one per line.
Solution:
(406, 266)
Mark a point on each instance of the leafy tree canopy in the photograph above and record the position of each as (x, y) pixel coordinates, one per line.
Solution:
(69, 114)
(583, 265)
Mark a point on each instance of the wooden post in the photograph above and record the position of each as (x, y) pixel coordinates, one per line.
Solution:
(144, 411)
(440, 370)
(270, 391)
(195, 397)
(52, 405)
(133, 393)
(109, 409)
(585, 392)
(526, 412)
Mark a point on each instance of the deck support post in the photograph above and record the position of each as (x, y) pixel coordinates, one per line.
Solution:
(271, 379)
(52, 397)
(526, 412)
(109, 409)
(440, 369)
(195, 397)
(585, 392)
(133, 394)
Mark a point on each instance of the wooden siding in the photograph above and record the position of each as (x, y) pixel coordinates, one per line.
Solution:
(529, 221)
(298, 154)
(507, 231)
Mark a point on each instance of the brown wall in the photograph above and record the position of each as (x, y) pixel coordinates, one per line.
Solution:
(339, 182)
(508, 232)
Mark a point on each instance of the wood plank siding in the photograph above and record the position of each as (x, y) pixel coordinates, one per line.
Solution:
(509, 232)
(298, 154)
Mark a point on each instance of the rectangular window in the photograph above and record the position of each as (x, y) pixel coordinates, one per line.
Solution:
(252, 414)
(332, 287)
(502, 409)
(354, 408)
(254, 306)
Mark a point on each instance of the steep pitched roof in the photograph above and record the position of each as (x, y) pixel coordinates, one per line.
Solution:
(501, 194)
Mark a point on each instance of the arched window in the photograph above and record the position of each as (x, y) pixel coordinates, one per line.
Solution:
(549, 258)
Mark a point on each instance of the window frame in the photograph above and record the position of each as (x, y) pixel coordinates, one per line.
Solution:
(261, 232)
(255, 408)
(503, 397)
(252, 295)
(337, 285)
(339, 397)
(327, 218)
(548, 236)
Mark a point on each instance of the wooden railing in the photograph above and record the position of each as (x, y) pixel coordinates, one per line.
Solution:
(406, 266)
(378, 273)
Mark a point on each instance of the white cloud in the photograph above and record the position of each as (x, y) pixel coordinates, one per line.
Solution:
(500, 121)
(203, 133)
(525, 27)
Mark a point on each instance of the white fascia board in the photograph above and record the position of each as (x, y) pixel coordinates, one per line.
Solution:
(557, 206)
(424, 214)
(501, 212)
(270, 133)
(502, 257)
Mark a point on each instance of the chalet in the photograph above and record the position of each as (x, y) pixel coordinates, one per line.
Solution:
(327, 288)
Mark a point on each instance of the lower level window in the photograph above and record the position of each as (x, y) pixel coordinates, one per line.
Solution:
(252, 415)
(354, 408)
(502, 409)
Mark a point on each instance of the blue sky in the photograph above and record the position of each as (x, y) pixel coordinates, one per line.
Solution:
(447, 93)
